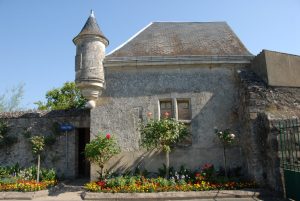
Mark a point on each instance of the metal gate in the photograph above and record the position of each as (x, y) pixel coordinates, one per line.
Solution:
(290, 156)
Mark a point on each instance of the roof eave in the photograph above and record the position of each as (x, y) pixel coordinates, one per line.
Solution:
(176, 60)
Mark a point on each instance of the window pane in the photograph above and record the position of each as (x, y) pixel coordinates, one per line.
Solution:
(166, 106)
(184, 112)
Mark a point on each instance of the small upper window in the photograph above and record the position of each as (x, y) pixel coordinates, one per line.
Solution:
(184, 112)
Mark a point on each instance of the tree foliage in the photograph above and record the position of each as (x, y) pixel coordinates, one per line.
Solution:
(37, 143)
(66, 97)
(101, 149)
(11, 99)
(162, 133)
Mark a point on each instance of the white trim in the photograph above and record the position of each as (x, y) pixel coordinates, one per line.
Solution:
(132, 37)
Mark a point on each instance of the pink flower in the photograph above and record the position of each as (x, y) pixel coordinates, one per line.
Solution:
(149, 114)
(108, 136)
(167, 114)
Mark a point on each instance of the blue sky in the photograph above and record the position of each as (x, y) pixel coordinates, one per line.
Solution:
(36, 35)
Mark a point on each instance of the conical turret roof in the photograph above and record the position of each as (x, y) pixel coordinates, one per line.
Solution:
(91, 27)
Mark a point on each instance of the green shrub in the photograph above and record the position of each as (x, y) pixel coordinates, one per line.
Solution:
(16, 173)
(162, 181)
(48, 174)
(8, 180)
(27, 174)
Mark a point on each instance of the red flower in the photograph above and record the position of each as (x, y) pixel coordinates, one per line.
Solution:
(101, 183)
(207, 166)
(108, 136)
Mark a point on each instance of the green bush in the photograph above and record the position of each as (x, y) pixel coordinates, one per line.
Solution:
(16, 173)
(27, 173)
(48, 175)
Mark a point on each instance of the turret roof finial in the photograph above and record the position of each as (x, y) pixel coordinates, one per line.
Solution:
(91, 28)
(92, 14)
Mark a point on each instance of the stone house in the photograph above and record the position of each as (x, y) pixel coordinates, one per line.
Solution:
(199, 72)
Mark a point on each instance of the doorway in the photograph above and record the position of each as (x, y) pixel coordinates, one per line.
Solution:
(83, 165)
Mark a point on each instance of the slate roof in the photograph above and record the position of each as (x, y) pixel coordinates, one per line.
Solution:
(183, 39)
(91, 27)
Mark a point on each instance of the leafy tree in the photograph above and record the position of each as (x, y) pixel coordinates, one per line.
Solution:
(38, 144)
(101, 149)
(11, 99)
(162, 134)
(66, 97)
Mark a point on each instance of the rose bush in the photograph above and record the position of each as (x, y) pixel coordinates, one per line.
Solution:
(101, 149)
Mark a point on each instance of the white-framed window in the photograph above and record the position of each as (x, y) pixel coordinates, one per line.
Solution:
(179, 109)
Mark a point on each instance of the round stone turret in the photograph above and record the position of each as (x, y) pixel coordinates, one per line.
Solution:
(90, 52)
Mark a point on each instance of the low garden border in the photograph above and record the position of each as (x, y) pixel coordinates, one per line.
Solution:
(247, 193)
(14, 195)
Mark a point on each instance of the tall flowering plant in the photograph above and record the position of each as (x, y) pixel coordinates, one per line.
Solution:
(226, 137)
(162, 134)
(101, 149)
(37, 145)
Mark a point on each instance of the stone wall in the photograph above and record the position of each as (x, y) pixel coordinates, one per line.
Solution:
(25, 124)
(251, 103)
(260, 108)
(133, 92)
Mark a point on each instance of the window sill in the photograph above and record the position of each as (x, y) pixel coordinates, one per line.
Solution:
(185, 121)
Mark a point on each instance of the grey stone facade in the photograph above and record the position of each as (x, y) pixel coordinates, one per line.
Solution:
(131, 93)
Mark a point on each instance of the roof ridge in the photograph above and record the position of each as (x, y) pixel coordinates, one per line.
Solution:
(189, 22)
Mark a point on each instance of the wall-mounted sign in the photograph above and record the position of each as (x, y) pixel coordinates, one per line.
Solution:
(64, 127)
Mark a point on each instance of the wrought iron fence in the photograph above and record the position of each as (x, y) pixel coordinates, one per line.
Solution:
(289, 150)
(290, 144)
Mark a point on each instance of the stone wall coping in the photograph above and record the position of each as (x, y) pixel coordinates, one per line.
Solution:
(247, 193)
(176, 60)
(23, 195)
(45, 114)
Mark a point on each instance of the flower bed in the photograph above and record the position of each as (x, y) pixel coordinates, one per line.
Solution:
(26, 186)
(15, 178)
(142, 184)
